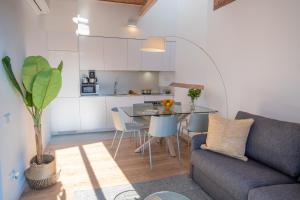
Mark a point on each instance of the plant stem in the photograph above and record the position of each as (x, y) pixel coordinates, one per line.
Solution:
(38, 137)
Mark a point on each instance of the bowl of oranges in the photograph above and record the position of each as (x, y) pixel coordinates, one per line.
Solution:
(168, 103)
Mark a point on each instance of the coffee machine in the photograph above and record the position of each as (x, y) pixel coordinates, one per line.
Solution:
(89, 85)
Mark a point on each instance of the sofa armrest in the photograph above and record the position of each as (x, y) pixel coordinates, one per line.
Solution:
(197, 141)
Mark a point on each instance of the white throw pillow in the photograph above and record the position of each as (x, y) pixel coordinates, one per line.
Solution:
(228, 137)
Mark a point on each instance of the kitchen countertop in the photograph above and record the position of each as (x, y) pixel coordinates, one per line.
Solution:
(125, 95)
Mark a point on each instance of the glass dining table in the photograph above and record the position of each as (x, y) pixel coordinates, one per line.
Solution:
(147, 110)
(144, 110)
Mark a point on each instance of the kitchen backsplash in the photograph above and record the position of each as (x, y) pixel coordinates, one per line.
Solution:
(131, 80)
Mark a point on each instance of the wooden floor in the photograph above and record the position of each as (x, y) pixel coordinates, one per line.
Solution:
(86, 161)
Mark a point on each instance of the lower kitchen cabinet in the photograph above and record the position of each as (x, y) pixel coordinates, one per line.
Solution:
(87, 114)
(158, 97)
(120, 102)
(65, 115)
(92, 113)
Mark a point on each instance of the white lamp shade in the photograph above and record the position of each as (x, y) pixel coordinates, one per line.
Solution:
(154, 44)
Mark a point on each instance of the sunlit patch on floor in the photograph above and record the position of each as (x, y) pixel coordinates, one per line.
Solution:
(87, 163)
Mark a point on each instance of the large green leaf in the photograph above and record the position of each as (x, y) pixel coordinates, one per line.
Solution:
(31, 67)
(46, 87)
(28, 98)
(7, 67)
(60, 66)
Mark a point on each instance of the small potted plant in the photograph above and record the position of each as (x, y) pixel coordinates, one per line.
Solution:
(40, 85)
(194, 94)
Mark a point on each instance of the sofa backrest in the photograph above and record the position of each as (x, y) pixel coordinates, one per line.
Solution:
(274, 143)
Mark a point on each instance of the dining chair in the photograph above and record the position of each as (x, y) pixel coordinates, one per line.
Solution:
(198, 123)
(120, 124)
(162, 127)
(145, 120)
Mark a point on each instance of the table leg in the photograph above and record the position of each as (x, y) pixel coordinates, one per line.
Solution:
(145, 146)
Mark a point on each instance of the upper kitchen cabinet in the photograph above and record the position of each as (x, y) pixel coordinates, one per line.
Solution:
(169, 57)
(152, 61)
(115, 53)
(91, 53)
(70, 72)
(156, 61)
(134, 54)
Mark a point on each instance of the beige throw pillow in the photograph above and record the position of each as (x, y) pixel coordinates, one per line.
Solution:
(228, 137)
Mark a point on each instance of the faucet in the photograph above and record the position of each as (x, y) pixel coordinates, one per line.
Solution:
(115, 86)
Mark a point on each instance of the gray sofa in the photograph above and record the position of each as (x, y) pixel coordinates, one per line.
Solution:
(271, 173)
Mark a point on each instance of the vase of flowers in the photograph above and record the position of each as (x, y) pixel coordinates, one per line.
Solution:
(194, 94)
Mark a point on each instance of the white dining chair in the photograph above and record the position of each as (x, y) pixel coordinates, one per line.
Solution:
(198, 123)
(162, 127)
(120, 124)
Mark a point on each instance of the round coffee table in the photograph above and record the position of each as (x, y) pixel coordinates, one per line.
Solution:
(166, 195)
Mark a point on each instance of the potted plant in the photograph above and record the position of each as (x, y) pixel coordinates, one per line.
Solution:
(40, 85)
(194, 94)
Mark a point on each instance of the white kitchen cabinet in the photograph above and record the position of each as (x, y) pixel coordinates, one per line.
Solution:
(134, 55)
(157, 97)
(70, 72)
(65, 115)
(169, 57)
(92, 113)
(91, 53)
(152, 61)
(136, 100)
(157, 61)
(115, 53)
(120, 101)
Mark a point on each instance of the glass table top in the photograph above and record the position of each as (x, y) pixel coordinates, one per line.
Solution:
(141, 110)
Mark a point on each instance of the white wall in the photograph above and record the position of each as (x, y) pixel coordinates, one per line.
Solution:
(1, 187)
(109, 19)
(256, 46)
(21, 34)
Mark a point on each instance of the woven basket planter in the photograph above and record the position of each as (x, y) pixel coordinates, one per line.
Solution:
(42, 176)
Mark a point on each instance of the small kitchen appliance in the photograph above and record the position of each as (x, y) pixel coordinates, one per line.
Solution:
(89, 85)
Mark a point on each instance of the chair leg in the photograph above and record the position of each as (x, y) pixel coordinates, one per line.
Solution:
(119, 145)
(150, 156)
(178, 146)
(140, 137)
(144, 141)
(112, 144)
(188, 139)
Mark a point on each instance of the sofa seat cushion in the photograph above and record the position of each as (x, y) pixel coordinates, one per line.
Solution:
(235, 176)
(276, 192)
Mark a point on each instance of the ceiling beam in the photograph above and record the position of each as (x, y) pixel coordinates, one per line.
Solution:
(147, 6)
